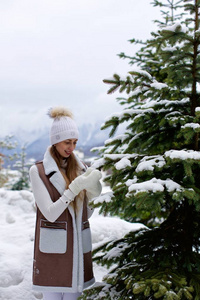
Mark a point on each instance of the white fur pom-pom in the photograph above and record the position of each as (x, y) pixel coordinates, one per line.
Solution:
(59, 111)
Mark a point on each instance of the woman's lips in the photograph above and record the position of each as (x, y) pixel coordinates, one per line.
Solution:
(68, 153)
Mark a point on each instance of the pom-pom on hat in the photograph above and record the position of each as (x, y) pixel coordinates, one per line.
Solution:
(63, 127)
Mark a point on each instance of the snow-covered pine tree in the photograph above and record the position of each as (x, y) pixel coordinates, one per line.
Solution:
(155, 166)
(23, 166)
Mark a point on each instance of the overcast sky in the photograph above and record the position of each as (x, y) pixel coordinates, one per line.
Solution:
(58, 52)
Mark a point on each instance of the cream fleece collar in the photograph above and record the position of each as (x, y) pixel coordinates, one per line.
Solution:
(50, 166)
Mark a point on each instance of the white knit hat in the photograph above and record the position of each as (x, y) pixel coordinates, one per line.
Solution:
(63, 127)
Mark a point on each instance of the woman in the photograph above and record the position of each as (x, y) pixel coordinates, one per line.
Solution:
(62, 188)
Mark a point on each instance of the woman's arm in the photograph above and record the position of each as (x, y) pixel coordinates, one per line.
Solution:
(51, 210)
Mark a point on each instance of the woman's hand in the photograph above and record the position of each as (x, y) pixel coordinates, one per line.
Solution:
(88, 181)
(95, 188)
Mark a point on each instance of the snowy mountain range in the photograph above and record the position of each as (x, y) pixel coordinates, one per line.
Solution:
(36, 141)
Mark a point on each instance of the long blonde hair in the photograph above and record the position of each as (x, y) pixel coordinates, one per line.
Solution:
(72, 170)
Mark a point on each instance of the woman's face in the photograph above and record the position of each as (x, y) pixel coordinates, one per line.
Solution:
(65, 148)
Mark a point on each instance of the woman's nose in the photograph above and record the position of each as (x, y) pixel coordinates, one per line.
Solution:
(71, 146)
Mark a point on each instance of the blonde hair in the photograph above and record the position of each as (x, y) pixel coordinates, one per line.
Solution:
(72, 170)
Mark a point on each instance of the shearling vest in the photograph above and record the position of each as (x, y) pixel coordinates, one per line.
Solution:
(54, 260)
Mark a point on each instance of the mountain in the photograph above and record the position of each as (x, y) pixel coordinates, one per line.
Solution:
(90, 135)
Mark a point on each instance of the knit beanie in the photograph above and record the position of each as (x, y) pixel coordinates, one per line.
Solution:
(63, 127)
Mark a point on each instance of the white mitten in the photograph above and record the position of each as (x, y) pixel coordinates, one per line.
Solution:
(94, 191)
(85, 181)
(95, 188)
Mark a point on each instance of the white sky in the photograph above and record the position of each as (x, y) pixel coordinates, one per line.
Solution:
(58, 52)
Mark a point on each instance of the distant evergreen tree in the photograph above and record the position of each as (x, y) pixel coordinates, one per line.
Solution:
(154, 167)
(22, 165)
(7, 143)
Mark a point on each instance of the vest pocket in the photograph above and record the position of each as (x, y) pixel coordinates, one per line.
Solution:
(86, 237)
(53, 237)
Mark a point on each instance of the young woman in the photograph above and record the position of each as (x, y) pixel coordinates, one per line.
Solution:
(62, 188)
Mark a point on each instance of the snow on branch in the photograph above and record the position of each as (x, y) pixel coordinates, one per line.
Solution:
(120, 137)
(103, 198)
(137, 71)
(148, 163)
(166, 103)
(114, 115)
(123, 164)
(119, 165)
(119, 156)
(116, 251)
(154, 185)
(169, 49)
(183, 154)
(158, 85)
(191, 125)
(98, 163)
(176, 27)
(153, 83)
(130, 112)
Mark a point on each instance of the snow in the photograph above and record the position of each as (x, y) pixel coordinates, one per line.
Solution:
(153, 185)
(158, 85)
(131, 181)
(105, 229)
(183, 154)
(148, 163)
(191, 125)
(114, 115)
(123, 164)
(120, 137)
(137, 91)
(98, 163)
(176, 26)
(166, 103)
(142, 72)
(170, 49)
(115, 251)
(118, 156)
(17, 222)
(130, 112)
(148, 107)
(104, 198)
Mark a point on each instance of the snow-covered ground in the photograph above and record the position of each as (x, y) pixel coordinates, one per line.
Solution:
(17, 221)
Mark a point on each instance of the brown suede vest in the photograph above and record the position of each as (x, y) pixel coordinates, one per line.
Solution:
(53, 269)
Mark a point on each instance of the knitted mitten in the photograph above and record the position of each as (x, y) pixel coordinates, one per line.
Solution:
(88, 181)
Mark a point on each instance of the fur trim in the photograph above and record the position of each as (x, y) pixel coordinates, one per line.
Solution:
(57, 179)
(50, 166)
(59, 111)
